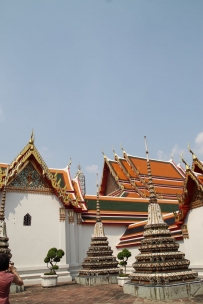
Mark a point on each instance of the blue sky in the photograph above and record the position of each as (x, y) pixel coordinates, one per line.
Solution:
(87, 75)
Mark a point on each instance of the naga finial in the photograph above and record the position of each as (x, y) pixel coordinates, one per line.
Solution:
(193, 155)
(122, 149)
(104, 155)
(187, 167)
(69, 164)
(171, 156)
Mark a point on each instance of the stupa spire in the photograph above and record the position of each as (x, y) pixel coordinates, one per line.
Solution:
(152, 195)
(98, 228)
(98, 216)
(3, 200)
(3, 235)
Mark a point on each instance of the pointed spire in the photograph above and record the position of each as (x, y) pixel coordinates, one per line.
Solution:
(152, 196)
(98, 227)
(98, 217)
(193, 155)
(81, 178)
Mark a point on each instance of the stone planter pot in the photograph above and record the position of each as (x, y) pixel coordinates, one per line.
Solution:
(122, 280)
(49, 280)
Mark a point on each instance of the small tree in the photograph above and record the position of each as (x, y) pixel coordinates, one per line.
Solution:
(53, 256)
(123, 257)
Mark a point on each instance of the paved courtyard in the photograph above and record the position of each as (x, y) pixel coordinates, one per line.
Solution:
(78, 294)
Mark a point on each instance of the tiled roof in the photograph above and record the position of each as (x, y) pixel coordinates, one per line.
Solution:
(134, 232)
(130, 175)
(122, 210)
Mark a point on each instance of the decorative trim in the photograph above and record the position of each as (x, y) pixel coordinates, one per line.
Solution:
(62, 214)
(71, 216)
(185, 231)
(196, 204)
(79, 218)
(26, 190)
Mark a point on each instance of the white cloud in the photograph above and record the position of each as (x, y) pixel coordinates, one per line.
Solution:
(176, 151)
(2, 116)
(92, 169)
(199, 139)
(44, 148)
(161, 156)
(199, 143)
(46, 153)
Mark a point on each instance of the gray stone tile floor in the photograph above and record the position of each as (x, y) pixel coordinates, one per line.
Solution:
(72, 293)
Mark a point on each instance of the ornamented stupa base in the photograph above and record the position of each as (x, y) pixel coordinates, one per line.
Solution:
(96, 280)
(166, 292)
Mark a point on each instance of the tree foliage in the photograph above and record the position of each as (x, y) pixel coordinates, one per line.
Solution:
(123, 256)
(54, 256)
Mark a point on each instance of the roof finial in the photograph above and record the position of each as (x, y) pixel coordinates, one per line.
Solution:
(115, 155)
(122, 149)
(69, 164)
(193, 155)
(98, 217)
(32, 138)
(152, 196)
(171, 156)
(187, 167)
(104, 155)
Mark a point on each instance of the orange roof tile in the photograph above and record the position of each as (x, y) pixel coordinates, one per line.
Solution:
(158, 168)
(118, 171)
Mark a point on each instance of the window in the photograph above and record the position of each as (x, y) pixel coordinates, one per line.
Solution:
(27, 220)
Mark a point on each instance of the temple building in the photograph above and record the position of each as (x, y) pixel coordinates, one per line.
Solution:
(46, 207)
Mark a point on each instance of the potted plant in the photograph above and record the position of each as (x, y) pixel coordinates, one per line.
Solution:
(54, 256)
(123, 256)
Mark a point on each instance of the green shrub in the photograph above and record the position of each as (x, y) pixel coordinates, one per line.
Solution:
(54, 256)
(123, 257)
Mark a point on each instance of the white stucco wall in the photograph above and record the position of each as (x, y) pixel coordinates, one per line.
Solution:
(194, 245)
(29, 244)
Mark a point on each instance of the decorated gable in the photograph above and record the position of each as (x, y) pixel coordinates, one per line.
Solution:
(29, 179)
